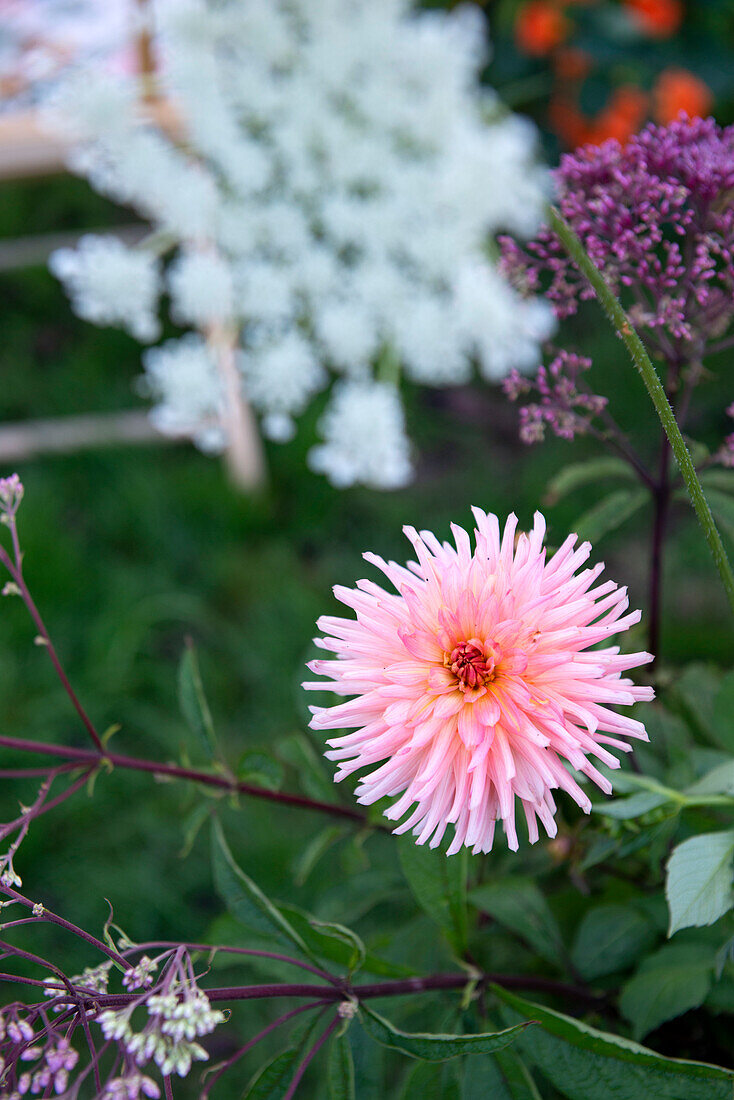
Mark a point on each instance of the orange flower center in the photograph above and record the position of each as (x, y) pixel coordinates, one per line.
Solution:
(471, 665)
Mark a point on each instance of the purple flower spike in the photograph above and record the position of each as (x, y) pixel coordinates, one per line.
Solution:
(656, 217)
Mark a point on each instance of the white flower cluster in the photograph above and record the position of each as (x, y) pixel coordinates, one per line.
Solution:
(339, 180)
(177, 1018)
(364, 432)
(111, 284)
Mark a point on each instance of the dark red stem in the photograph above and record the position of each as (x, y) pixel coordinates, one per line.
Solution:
(87, 756)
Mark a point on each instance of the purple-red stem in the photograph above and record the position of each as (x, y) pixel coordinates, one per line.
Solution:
(290, 1093)
(88, 756)
(395, 988)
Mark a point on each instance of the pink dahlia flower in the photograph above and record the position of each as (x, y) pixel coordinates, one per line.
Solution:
(475, 683)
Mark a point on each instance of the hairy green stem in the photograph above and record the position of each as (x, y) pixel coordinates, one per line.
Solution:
(621, 322)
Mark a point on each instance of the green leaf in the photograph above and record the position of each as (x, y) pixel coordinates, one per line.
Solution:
(245, 900)
(720, 780)
(298, 751)
(260, 769)
(667, 984)
(368, 1063)
(435, 1048)
(426, 1082)
(723, 716)
(699, 880)
(722, 507)
(584, 1063)
(315, 849)
(272, 1080)
(582, 473)
(518, 905)
(611, 938)
(718, 479)
(326, 939)
(637, 805)
(340, 1069)
(610, 513)
(193, 704)
(438, 884)
(502, 1077)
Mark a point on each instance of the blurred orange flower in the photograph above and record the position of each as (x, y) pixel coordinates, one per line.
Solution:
(658, 18)
(622, 117)
(678, 90)
(571, 63)
(540, 27)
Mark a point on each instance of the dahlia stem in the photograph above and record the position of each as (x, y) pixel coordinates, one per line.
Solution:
(622, 324)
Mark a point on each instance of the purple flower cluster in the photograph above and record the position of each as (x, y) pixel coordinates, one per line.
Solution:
(726, 453)
(656, 216)
(563, 406)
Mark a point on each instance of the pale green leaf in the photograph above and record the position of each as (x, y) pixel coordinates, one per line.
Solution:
(699, 880)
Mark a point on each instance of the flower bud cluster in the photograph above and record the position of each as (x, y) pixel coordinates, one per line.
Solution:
(54, 1058)
(563, 406)
(132, 1086)
(178, 1014)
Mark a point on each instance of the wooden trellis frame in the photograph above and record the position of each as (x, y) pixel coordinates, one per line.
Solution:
(28, 150)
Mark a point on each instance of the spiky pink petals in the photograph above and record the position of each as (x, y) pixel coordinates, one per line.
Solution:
(474, 683)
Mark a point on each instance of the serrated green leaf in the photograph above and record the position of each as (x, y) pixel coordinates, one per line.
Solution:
(340, 1070)
(504, 1076)
(435, 1048)
(193, 703)
(611, 938)
(272, 1080)
(438, 884)
(327, 939)
(670, 982)
(260, 769)
(610, 513)
(246, 901)
(582, 473)
(518, 905)
(699, 880)
(584, 1063)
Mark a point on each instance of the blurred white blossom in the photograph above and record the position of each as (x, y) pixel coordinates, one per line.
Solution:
(182, 377)
(365, 441)
(111, 284)
(341, 175)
